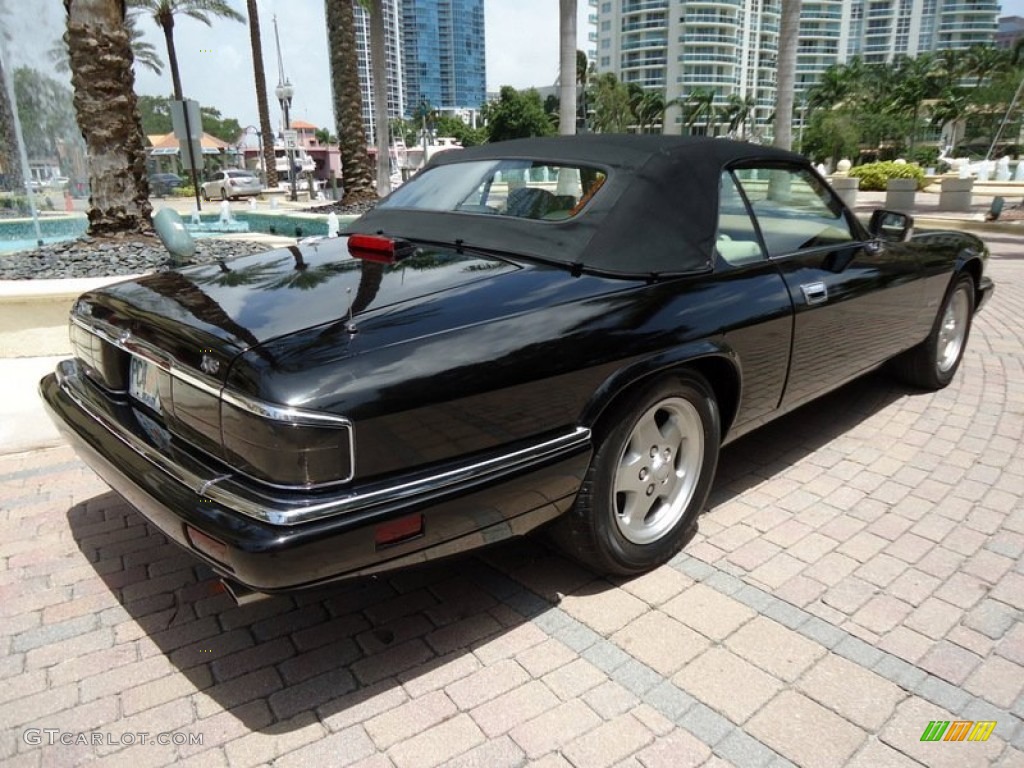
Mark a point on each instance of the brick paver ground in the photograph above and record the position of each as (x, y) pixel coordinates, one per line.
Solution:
(860, 573)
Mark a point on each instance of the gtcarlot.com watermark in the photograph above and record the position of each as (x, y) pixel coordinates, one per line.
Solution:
(50, 737)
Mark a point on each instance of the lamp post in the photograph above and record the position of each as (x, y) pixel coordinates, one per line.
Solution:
(284, 92)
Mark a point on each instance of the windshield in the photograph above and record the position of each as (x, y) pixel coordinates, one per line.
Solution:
(524, 189)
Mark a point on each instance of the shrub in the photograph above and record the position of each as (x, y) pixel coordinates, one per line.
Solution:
(875, 176)
(17, 203)
(186, 190)
(925, 156)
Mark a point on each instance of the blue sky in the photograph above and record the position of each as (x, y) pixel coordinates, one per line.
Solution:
(216, 64)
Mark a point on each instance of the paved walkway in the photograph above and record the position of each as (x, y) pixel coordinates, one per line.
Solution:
(859, 575)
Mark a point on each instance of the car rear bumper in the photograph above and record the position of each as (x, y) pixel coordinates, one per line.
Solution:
(469, 510)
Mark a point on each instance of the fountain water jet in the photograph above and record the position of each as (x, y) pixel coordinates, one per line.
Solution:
(8, 84)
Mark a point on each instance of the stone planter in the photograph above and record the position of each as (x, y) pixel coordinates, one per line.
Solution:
(955, 194)
(899, 194)
(846, 187)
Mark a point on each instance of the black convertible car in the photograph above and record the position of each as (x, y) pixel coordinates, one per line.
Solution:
(541, 330)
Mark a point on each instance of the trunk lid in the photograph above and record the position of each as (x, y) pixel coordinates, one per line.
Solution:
(220, 310)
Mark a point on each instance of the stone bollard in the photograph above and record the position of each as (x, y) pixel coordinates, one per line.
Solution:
(956, 194)
(900, 194)
(846, 187)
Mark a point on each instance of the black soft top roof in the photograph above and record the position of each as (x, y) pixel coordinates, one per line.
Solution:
(656, 213)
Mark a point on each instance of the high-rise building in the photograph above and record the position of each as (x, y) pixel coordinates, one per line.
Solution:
(443, 50)
(396, 80)
(725, 46)
(684, 47)
(435, 56)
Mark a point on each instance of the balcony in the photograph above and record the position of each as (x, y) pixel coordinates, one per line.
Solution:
(653, 42)
(644, 5)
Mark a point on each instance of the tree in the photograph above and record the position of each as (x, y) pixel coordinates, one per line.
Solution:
(10, 163)
(789, 32)
(831, 135)
(698, 105)
(164, 11)
(356, 173)
(155, 114)
(647, 106)
(584, 69)
(449, 125)
(144, 53)
(567, 67)
(612, 111)
(260, 80)
(379, 73)
(516, 115)
(101, 75)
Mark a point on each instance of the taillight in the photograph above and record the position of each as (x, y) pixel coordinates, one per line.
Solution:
(385, 250)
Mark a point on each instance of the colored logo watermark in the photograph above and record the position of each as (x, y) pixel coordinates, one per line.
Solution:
(958, 730)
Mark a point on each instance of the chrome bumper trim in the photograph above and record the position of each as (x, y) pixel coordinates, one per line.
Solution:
(233, 493)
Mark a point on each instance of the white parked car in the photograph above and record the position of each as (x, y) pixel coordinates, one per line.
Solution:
(231, 184)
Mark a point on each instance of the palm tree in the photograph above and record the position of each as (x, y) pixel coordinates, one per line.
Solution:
(144, 53)
(379, 62)
(105, 107)
(789, 32)
(735, 112)
(699, 103)
(648, 107)
(260, 76)
(356, 173)
(911, 86)
(164, 11)
(567, 67)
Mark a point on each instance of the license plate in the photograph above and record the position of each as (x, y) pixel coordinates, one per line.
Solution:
(143, 383)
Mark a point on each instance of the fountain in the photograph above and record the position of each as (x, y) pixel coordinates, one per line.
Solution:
(8, 85)
(226, 222)
(1019, 173)
(332, 224)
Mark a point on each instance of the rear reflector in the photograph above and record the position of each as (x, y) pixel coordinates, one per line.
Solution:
(208, 545)
(402, 529)
(385, 250)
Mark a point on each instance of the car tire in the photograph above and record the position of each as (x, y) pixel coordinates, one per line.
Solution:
(224, 194)
(933, 363)
(206, 195)
(648, 480)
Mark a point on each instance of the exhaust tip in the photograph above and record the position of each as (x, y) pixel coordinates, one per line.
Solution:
(241, 594)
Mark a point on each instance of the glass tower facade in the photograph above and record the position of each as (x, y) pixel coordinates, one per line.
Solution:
(443, 52)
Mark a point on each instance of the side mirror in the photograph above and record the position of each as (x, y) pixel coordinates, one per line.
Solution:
(891, 225)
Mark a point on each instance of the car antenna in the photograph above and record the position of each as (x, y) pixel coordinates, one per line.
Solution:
(350, 326)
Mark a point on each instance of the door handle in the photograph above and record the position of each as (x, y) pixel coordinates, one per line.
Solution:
(815, 293)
